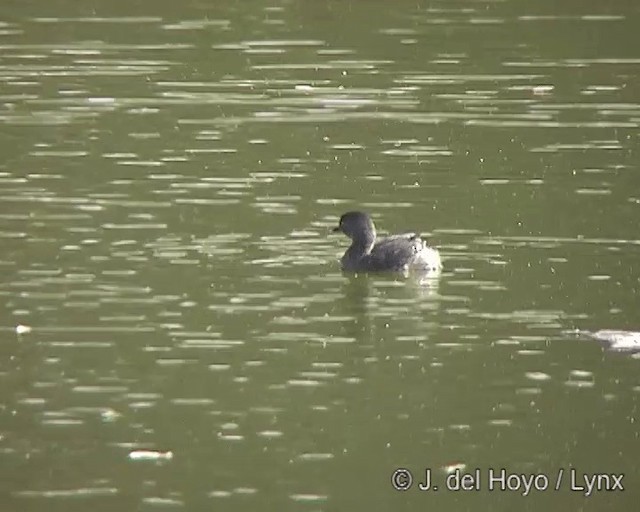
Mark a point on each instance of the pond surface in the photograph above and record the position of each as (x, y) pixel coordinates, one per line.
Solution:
(176, 332)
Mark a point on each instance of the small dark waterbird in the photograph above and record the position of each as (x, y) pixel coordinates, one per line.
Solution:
(393, 253)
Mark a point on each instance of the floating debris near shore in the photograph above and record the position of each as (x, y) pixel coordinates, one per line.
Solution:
(613, 339)
(623, 341)
(22, 329)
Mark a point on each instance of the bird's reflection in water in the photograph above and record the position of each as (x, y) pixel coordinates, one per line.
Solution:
(365, 295)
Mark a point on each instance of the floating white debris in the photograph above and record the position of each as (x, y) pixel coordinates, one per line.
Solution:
(22, 329)
(150, 455)
(619, 340)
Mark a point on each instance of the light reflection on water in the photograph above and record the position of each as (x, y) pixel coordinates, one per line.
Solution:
(167, 200)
